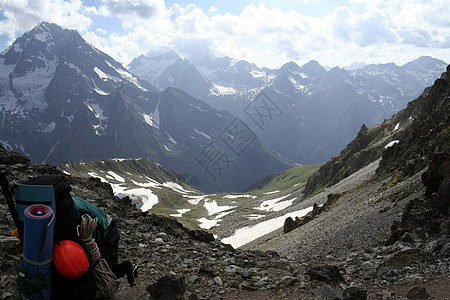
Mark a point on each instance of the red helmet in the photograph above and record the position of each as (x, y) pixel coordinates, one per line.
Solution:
(69, 259)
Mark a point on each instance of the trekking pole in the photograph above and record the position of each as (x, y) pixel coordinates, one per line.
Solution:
(6, 188)
(135, 270)
(135, 273)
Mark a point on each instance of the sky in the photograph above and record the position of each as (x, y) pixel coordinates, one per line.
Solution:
(268, 33)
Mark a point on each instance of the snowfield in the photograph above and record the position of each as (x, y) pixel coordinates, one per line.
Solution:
(245, 235)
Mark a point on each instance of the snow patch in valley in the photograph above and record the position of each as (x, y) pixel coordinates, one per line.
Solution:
(276, 204)
(257, 74)
(247, 234)
(397, 126)
(142, 190)
(197, 107)
(43, 36)
(48, 127)
(116, 176)
(98, 90)
(281, 93)
(207, 224)
(146, 195)
(180, 212)
(51, 151)
(194, 200)
(148, 184)
(5, 70)
(17, 48)
(176, 187)
(213, 208)
(6, 145)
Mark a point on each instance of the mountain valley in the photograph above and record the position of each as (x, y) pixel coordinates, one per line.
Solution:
(378, 230)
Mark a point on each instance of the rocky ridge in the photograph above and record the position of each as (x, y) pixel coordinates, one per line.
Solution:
(391, 228)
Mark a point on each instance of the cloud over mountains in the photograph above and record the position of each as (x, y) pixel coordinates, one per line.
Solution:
(334, 34)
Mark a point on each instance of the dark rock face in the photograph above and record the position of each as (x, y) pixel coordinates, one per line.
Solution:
(437, 180)
(327, 292)
(404, 259)
(290, 224)
(356, 155)
(432, 178)
(328, 274)
(425, 137)
(428, 219)
(171, 287)
(417, 292)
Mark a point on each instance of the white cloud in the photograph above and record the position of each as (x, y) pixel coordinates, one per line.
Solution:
(361, 30)
(132, 12)
(22, 15)
(213, 9)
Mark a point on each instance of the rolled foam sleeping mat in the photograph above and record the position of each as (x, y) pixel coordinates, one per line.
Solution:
(38, 245)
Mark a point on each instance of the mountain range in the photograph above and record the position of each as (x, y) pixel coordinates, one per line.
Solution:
(222, 124)
(62, 99)
(305, 114)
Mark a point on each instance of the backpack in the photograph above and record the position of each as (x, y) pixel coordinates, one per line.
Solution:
(68, 212)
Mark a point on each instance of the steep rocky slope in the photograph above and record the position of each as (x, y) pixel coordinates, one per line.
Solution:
(406, 141)
(393, 225)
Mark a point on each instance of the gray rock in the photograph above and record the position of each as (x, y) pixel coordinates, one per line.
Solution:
(418, 292)
(327, 292)
(243, 272)
(287, 281)
(9, 244)
(171, 287)
(328, 274)
(356, 292)
(234, 284)
(159, 241)
(218, 281)
(261, 283)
